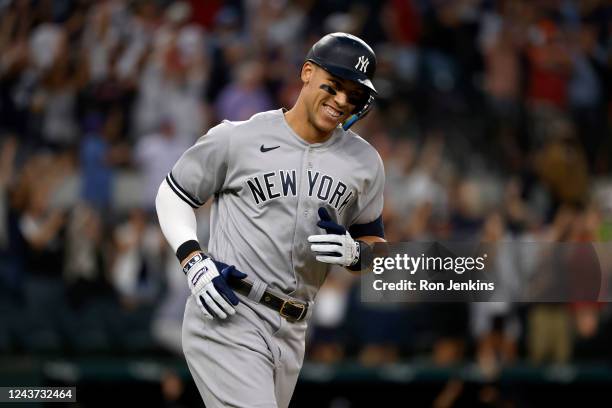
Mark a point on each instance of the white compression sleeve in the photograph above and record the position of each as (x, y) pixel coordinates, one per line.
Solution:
(176, 218)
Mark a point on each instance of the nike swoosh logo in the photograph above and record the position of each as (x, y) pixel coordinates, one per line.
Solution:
(267, 149)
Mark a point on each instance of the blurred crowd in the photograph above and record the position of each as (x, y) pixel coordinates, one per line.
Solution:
(493, 121)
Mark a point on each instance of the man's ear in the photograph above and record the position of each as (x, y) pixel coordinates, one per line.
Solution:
(307, 72)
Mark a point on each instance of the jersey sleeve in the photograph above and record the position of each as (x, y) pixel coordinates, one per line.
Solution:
(368, 218)
(201, 171)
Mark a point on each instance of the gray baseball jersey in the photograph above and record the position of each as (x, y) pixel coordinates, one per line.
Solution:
(268, 184)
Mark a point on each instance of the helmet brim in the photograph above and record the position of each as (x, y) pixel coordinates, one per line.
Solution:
(344, 73)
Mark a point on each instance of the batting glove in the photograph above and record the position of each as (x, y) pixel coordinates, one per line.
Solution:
(337, 246)
(208, 283)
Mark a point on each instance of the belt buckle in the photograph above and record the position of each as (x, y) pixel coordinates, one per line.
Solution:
(293, 303)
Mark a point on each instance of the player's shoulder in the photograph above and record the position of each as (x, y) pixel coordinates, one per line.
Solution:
(360, 149)
(258, 121)
(234, 133)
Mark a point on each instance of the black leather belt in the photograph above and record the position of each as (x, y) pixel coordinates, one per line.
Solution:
(292, 310)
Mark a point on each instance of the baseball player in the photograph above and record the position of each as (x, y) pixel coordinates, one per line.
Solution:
(293, 193)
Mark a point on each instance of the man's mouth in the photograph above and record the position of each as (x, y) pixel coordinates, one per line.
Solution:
(333, 113)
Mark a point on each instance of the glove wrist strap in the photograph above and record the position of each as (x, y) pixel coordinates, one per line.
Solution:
(364, 257)
(356, 253)
(200, 272)
(193, 260)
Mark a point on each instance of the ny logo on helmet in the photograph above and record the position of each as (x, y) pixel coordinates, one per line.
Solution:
(362, 63)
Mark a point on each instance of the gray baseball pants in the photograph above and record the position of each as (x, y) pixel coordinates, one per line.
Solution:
(249, 360)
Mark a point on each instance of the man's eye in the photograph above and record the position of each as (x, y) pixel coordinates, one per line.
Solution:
(328, 89)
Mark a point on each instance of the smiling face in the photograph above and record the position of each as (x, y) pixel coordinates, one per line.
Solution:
(329, 100)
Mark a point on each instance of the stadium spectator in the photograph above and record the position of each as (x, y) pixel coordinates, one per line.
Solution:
(154, 156)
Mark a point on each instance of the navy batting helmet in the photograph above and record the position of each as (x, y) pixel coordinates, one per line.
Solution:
(348, 57)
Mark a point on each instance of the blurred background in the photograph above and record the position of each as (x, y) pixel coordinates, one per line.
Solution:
(493, 122)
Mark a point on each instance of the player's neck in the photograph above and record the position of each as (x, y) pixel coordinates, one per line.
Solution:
(303, 128)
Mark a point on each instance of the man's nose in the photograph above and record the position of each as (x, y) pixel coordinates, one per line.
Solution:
(341, 98)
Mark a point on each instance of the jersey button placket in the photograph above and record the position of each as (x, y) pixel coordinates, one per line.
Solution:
(308, 167)
(309, 158)
(300, 247)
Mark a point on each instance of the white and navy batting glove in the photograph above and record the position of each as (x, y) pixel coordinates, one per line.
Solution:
(208, 283)
(337, 246)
